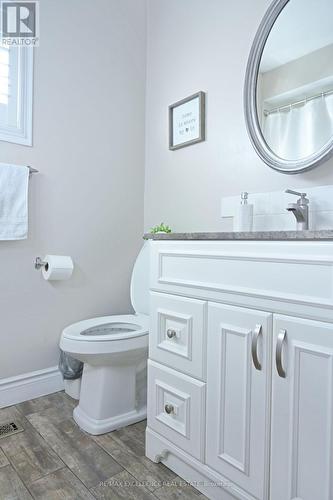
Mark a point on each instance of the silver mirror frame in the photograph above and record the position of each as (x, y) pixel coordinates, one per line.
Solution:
(250, 104)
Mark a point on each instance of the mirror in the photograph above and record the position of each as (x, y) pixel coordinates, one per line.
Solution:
(288, 91)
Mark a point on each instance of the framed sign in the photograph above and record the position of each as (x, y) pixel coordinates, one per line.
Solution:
(187, 121)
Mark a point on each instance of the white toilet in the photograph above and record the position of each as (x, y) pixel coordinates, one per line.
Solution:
(114, 350)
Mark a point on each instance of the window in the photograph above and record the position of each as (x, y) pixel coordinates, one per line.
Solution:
(16, 74)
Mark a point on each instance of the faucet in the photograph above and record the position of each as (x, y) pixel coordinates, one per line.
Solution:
(300, 209)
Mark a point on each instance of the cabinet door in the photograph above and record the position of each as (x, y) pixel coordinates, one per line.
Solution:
(302, 410)
(238, 378)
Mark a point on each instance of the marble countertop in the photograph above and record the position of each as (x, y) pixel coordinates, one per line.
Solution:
(326, 234)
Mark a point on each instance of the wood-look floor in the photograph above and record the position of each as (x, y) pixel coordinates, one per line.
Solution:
(53, 459)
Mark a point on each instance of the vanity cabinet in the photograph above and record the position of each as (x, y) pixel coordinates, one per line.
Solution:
(240, 392)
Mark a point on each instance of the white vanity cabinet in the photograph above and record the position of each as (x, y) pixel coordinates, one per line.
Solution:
(240, 391)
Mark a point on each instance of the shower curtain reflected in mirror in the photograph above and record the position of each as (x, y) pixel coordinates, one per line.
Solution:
(299, 131)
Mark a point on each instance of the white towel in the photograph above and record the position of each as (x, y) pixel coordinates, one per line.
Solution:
(14, 181)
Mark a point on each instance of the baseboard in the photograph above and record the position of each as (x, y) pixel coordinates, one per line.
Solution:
(31, 385)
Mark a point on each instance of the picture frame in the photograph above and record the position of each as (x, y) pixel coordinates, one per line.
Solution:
(187, 121)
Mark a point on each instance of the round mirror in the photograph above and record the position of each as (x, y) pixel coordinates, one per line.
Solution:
(288, 94)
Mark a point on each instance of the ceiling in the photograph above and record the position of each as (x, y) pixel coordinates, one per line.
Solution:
(302, 27)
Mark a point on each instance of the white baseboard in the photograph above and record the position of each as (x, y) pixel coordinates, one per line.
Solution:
(31, 385)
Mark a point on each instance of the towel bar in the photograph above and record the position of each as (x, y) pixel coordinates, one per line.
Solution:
(32, 170)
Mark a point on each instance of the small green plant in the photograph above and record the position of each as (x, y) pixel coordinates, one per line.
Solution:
(161, 228)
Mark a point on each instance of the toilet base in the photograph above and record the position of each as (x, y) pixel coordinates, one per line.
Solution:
(113, 395)
(96, 427)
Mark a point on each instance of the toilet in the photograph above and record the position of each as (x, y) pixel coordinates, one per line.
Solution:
(114, 350)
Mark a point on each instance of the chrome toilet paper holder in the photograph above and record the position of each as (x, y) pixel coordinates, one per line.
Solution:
(39, 263)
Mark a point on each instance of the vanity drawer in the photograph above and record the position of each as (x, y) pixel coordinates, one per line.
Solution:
(178, 333)
(176, 408)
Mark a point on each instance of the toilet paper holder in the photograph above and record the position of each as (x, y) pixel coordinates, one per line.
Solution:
(55, 267)
(39, 263)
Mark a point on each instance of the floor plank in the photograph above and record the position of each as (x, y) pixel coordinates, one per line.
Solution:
(122, 486)
(89, 462)
(133, 437)
(11, 486)
(3, 459)
(58, 400)
(176, 489)
(151, 474)
(59, 486)
(27, 451)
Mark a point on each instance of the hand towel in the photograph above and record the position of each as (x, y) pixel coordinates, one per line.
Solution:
(14, 181)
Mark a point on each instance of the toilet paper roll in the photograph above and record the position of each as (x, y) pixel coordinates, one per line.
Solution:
(57, 267)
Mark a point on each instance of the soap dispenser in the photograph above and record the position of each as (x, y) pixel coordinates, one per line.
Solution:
(244, 216)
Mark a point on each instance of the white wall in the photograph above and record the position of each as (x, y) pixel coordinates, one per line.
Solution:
(204, 45)
(87, 200)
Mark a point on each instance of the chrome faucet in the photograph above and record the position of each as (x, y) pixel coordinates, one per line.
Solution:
(300, 209)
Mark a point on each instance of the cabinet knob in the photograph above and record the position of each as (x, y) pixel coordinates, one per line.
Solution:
(169, 409)
(171, 333)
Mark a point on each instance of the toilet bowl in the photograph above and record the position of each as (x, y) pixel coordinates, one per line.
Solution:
(114, 350)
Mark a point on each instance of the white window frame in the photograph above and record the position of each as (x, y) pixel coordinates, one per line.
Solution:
(22, 134)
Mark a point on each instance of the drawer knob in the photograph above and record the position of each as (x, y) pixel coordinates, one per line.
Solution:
(169, 409)
(171, 333)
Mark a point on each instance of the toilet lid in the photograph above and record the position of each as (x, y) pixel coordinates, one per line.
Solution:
(140, 282)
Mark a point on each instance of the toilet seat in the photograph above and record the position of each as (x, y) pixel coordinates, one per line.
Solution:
(121, 327)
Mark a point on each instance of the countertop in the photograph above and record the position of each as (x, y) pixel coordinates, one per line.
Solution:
(322, 235)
